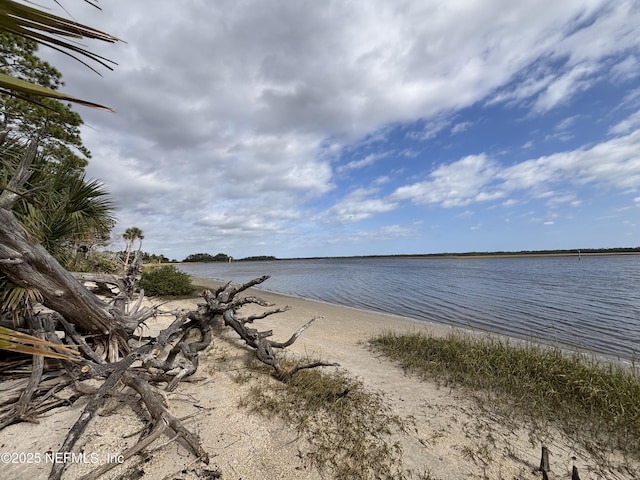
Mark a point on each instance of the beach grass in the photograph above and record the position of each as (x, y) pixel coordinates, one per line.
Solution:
(595, 403)
(348, 429)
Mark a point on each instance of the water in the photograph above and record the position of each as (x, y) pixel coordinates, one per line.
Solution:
(590, 304)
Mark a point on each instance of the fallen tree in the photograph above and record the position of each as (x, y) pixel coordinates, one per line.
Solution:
(152, 362)
(105, 331)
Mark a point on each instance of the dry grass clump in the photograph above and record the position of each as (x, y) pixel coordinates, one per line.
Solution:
(596, 404)
(347, 429)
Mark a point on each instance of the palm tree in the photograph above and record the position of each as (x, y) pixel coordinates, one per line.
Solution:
(28, 265)
(64, 210)
(131, 235)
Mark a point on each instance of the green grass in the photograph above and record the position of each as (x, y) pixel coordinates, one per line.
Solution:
(347, 428)
(596, 404)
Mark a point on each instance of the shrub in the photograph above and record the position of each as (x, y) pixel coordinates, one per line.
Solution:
(166, 281)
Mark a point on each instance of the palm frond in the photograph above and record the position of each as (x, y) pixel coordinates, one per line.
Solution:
(17, 87)
(56, 32)
(37, 25)
(14, 341)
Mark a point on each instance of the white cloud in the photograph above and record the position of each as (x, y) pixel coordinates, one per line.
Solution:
(626, 69)
(562, 88)
(614, 163)
(227, 107)
(601, 33)
(359, 205)
(460, 127)
(457, 184)
(363, 162)
(524, 89)
(381, 234)
(430, 130)
(628, 124)
(566, 123)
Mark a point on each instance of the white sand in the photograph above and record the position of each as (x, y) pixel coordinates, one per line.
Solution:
(453, 438)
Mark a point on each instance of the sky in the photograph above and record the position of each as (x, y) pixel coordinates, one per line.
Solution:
(362, 127)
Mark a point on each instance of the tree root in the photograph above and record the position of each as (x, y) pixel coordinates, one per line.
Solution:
(170, 357)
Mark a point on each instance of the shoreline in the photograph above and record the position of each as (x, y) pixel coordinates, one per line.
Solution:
(432, 327)
(341, 335)
(457, 256)
(384, 321)
(451, 436)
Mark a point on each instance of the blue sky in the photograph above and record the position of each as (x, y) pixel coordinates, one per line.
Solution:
(367, 127)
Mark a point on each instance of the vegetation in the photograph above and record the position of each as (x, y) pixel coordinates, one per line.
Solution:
(205, 257)
(131, 235)
(42, 161)
(577, 251)
(593, 402)
(347, 428)
(61, 209)
(258, 258)
(34, 25)
(66, 213)
(166, 281)
(155, 258)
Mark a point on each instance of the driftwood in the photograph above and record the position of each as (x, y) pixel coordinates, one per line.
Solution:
(151, 362)
(103, 330)
(105, 283)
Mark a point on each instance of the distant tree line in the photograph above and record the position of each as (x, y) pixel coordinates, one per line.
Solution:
(154, 258)
(551, 252)
(223, 257)
(258, 258)
(205, 257)
(576, 251)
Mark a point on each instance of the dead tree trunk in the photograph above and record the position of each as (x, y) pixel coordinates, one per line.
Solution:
(28, 264)
(171, 357)
(224, 302)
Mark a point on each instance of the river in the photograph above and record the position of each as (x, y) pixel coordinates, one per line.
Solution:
(592, 303)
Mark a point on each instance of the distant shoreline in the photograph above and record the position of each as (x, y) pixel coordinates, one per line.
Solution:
(521, 255)
(589, 252)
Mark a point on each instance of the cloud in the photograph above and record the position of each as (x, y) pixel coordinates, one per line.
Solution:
(599, 36)
(359, 205)
(460, 127)
(430, 130)
(477, 178)
(626, 125)
(626, 69)
(227, 109)
(381, 234)
(614, 163)
(363, 162)
(563, 87)
(454, 185)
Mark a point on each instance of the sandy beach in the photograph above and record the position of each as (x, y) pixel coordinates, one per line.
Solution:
(451, 436)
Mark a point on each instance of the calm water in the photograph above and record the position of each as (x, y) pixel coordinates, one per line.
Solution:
(593, 303)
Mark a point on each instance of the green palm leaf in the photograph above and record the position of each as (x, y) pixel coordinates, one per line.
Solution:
(46, 28)
(55, 32)
(15, 86)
